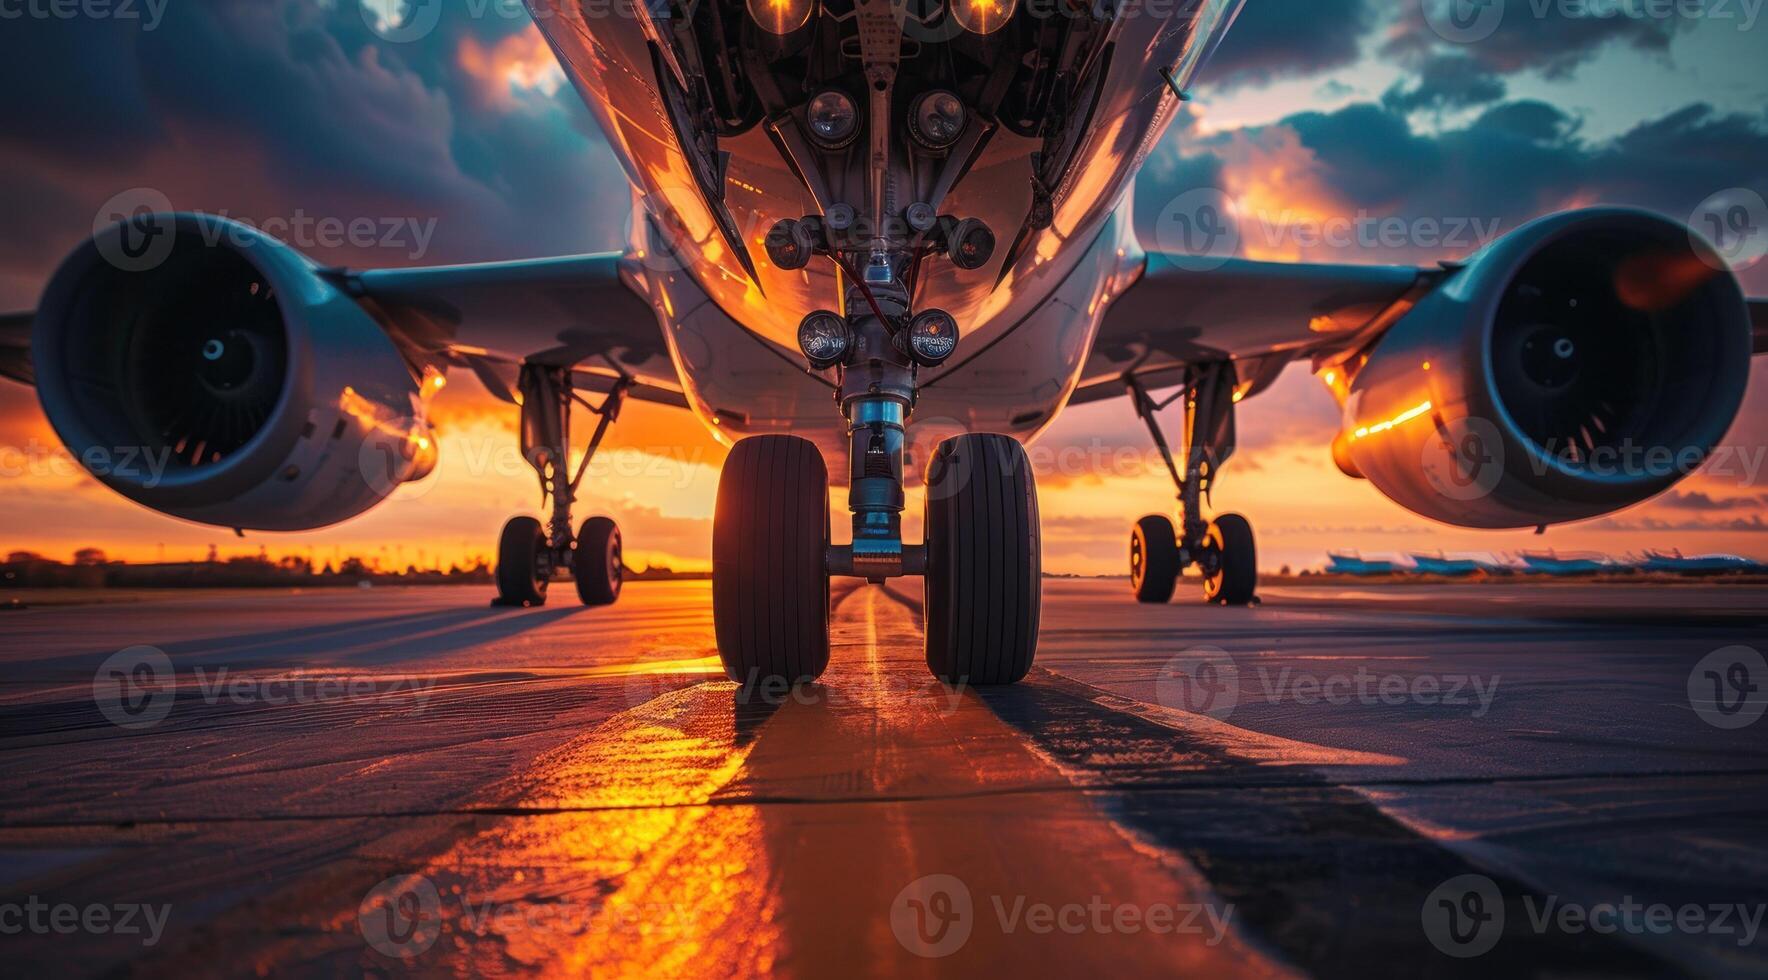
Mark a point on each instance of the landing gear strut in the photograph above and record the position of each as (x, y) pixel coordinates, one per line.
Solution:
(528, 554)
(1224, 550)
(771, 557)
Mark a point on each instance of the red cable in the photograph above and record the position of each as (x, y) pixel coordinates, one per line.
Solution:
(864, 290)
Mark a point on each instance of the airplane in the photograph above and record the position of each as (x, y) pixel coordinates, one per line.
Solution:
(894, 235)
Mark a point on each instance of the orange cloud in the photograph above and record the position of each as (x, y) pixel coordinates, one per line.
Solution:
(519, 61)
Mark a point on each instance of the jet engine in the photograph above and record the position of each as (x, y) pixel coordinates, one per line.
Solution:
(1583, 363)
(212, 373)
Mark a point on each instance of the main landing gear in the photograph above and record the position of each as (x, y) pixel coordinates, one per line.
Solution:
(1223, 549)
(771, 554)
(528, 553)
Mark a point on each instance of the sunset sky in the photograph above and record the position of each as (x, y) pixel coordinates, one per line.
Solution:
(279, 109)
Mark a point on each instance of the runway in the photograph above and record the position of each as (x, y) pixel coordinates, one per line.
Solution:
(1388, 781)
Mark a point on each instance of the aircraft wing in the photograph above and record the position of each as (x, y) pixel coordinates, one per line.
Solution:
(576, 311)
(1263, 315)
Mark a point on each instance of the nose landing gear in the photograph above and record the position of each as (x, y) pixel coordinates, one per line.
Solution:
(1224, 550)
(528, 554)
(772, 561)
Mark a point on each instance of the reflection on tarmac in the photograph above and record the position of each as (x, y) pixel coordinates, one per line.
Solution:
(581, 794)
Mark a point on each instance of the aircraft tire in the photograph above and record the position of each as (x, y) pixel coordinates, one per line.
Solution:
(770, 576)
(598, 562)
(983, 587)
(523, 565)
(1235, 582)
(1154, 560)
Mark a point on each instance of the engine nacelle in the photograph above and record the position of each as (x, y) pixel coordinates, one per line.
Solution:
(210, 372)
(1583, 363)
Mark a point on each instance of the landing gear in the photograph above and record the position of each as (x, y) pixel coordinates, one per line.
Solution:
(983, 584)
(1223, 550)
(529, 554)
(772, 560)
(770, 549)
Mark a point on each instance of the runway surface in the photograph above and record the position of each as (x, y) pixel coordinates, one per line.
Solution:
(1479, 780)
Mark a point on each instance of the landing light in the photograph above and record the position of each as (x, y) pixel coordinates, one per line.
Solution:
(932, 336)
(983, 16)
(833, 119)
(937, 120)
(781, 16)
(825, 338)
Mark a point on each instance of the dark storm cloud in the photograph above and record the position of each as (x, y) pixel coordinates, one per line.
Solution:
(1513, 162)
(267, 107)
(1553, 37)
(1446, 82)
(1278, 38)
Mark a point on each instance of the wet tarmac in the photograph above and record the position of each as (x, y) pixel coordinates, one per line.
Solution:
(1539, 779)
